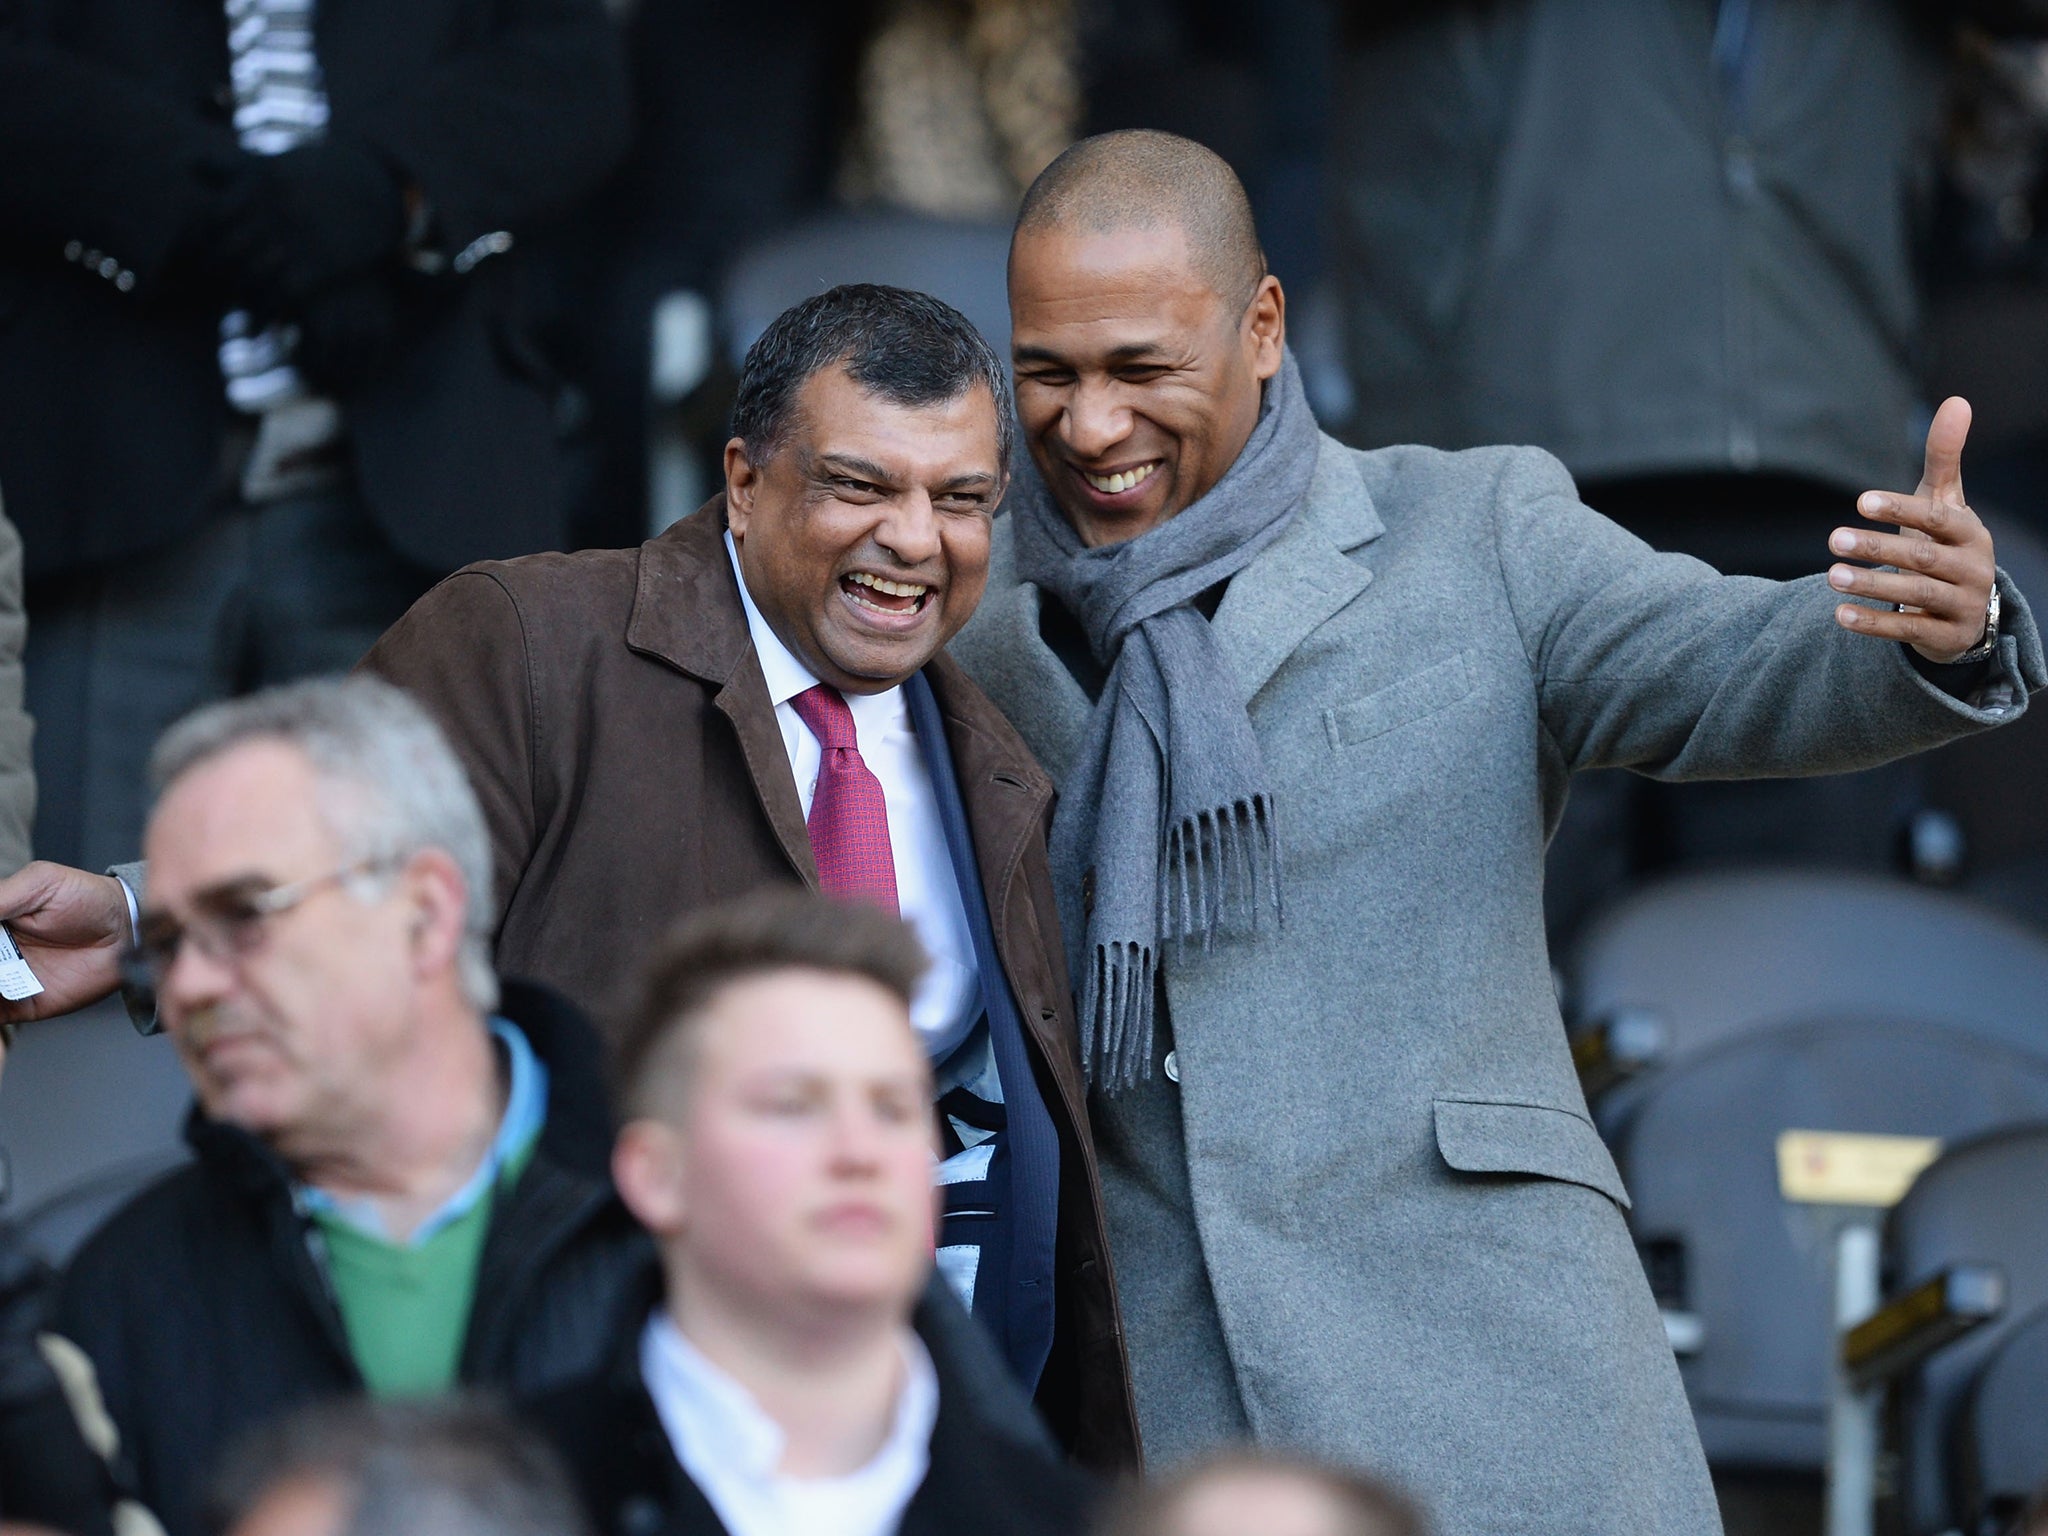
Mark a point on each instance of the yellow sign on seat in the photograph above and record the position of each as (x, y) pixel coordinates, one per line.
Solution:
(1843, 1168)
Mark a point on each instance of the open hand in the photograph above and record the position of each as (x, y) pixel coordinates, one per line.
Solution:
(1942, 557)
(71, 927)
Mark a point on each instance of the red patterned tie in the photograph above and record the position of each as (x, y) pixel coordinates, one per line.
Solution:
(849, 819)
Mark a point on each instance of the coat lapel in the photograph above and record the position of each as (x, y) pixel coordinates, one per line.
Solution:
(1308, 575)
(1012, 663)
(687, 613)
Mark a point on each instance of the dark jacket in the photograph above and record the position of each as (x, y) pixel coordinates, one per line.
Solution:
(204, 1310)
(1645, 242)
(986, 1476)
(499, 111)
(613, 717)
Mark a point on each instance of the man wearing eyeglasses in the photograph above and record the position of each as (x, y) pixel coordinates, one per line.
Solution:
(400, 1179)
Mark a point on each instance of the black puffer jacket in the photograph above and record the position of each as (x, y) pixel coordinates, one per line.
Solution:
(204, 1310)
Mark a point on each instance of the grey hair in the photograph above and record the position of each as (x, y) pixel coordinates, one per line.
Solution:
(455, 1466)
(394, 785)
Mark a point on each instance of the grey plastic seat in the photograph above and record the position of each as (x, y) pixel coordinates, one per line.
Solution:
(1697, 1149)
(2000, 1460)
(1710, 956)
(54, 1227)
(964, 264)
(1983, 1201)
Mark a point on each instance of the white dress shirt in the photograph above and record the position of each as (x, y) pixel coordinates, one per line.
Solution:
(733, 1451)
(948, 1000)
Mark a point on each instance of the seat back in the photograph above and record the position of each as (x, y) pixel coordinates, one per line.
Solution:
(964, 264)
(1713, 955)
(1983, 1201)
(2001, 1451)
(1699, 1154)
(54, 1226)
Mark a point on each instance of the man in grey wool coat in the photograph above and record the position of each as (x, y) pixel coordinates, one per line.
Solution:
(1312, 713)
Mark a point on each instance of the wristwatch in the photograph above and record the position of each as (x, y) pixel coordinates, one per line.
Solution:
(1989, 643)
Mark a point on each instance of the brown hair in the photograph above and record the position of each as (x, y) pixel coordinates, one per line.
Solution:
(769, 931)
(1367, 1506)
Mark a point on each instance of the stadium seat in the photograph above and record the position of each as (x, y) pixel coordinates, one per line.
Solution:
(963, 263)
(1969, 1421)
(1684, 965)
(2000, 1461)
(1743, 1276)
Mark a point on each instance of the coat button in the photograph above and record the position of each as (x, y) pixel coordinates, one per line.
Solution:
(125, 281)
(1173, 1066)
(109, 267)
(73, 249)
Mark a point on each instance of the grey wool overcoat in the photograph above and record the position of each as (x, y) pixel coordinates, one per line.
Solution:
(1413, 1238)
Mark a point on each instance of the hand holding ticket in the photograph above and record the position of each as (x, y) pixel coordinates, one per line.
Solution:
(65, 932)
(17, 981)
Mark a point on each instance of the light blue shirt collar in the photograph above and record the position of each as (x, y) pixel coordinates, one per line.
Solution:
(526, 1112)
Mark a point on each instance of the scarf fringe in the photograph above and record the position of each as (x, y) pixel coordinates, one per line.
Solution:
(1220, 873)
(1116, 1015)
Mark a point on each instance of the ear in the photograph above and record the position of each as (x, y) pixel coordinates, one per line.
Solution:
(1265, 327)
(742, 483)
(647, 1168)
(439, 901)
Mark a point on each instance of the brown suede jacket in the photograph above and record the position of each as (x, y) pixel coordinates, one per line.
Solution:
(612, 713)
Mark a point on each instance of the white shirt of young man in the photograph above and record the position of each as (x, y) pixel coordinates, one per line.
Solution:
(927, 892)
(731, 1449)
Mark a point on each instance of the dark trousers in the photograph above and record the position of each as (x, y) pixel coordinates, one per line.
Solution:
(261, 594)
(1620, 828)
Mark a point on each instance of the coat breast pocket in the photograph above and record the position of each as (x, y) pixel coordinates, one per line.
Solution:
(1402, 702)
(1489, 1136)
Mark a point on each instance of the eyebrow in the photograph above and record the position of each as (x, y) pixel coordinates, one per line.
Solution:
(866, 469)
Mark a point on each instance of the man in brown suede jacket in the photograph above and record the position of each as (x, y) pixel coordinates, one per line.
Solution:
(635, 723)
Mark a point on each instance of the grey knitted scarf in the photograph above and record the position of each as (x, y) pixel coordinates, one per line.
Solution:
(1165, 831)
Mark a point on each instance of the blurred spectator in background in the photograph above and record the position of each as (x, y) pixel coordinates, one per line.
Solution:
(960, 104)
(261, 339)
(391, 1191)
(1674, 242)
(1988, 309)
(1257, 1494)
(441, 1467)
(778, 1142)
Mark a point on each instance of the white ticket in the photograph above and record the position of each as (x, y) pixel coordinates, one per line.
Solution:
(17, 981)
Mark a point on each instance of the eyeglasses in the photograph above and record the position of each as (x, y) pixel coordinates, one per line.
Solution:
(228, 923)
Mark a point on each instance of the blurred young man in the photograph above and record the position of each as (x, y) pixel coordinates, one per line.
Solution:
(398, 1181)
(778, 1144)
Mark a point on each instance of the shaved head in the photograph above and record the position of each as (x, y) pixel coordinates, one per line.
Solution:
(1140, 178)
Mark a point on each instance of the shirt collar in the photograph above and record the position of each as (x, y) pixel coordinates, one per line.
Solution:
(699, 1403)
(526, 1111)
(787, 677)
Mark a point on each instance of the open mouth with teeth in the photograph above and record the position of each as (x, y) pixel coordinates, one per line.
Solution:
(1123, 480)
(882, 595)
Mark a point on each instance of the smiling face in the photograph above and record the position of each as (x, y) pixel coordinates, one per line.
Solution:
(791, 1173)
(1138, 383)
(864, 536)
